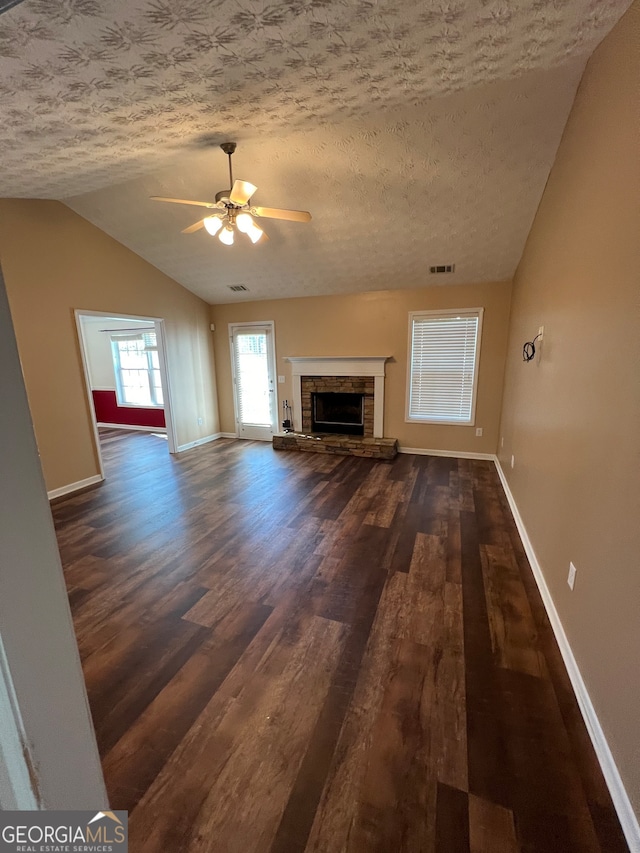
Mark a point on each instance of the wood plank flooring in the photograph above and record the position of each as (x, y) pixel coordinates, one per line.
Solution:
(290, 652)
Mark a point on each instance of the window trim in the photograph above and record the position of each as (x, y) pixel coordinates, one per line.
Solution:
(447, 312)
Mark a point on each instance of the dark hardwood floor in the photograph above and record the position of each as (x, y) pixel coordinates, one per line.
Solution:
(294, 652)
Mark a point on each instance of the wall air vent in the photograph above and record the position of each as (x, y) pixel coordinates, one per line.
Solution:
(442, 268)
(237, 288)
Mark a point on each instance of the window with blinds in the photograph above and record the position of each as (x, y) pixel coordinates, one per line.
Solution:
(443, 366)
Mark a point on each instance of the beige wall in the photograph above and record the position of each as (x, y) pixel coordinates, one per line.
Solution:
(571, 418)
(54, 262)
(377, 324)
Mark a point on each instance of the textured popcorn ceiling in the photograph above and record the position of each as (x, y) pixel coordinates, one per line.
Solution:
(416, 133)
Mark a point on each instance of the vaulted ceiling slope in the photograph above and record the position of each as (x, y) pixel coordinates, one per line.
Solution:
(416, 132)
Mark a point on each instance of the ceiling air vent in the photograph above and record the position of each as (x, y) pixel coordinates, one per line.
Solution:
(237, 288)
(442, 268)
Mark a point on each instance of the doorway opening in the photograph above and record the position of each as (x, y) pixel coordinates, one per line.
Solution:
(253, 372)
(126, 376)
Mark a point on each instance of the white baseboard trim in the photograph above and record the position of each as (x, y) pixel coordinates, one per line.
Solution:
(131, 426)
(200, 441)
(621, 802)
(227, 435)
(456, 454)
(74, 487)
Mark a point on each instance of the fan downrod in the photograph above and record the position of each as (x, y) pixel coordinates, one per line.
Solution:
(228, 148)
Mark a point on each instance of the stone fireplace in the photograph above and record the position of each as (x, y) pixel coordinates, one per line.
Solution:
(344, 401)
(338, 407)
(361, 375)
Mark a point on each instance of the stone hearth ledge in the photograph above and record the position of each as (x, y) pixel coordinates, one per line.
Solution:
(340, 445)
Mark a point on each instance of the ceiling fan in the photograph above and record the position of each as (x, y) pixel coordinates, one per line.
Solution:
(232, 210)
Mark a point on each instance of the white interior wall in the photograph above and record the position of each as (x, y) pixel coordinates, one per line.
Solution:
(98, 348)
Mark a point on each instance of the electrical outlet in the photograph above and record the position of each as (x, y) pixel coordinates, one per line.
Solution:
(502, 442)
(513, 461)
(281, 380)
(571, 579)
(479, 432)
(541, 333)
(199, 421)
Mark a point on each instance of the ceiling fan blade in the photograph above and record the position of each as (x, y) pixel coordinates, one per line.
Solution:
(195, 227)
(183, 201)
(276, 213)
(241, 192)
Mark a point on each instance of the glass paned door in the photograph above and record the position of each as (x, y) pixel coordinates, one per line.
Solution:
(253, 376)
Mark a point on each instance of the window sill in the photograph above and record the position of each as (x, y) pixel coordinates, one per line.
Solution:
(441, 422)
(139, 406)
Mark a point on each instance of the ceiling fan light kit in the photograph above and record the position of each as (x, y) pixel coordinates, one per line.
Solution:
(255, 234)
(233, 210)
(226, 235)
(212, 224)
(246, 224)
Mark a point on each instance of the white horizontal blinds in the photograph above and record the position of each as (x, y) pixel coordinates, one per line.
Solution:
(126, 336)
(150, 340)
(443, 365)
(252, 378)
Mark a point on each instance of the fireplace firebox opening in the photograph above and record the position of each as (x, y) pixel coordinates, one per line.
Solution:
(337, 412)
